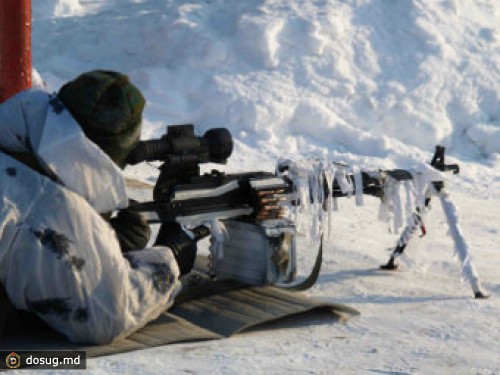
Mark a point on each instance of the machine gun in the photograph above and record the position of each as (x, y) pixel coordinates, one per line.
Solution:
(259, 248)
(181, 194)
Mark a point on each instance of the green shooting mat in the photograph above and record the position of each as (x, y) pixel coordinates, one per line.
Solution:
(210, 310)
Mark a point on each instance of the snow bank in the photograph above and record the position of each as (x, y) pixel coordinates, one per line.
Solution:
(360, 79)
(486, 137)
(375, 83)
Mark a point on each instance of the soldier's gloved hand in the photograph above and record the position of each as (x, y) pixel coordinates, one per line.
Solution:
(132, 229)
(182, 244)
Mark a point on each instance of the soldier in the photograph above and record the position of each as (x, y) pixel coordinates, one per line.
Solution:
(62, 259)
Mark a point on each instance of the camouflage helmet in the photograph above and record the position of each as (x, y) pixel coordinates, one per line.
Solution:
(108, 108)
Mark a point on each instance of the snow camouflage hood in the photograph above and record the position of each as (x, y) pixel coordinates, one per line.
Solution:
(37, 122)
(108, 108)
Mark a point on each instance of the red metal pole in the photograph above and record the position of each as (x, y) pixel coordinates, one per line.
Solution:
(15, 47)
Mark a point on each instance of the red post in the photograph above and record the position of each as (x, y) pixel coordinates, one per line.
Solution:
(15, 47)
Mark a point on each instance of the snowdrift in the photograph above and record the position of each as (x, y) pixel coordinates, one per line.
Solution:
(372, 78)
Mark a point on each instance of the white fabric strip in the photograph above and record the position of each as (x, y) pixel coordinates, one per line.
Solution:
(358, 182)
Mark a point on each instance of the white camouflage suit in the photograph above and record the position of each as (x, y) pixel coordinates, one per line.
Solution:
(58, 257)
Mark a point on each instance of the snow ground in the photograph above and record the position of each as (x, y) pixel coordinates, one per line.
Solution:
(376, 83)
(419, 320)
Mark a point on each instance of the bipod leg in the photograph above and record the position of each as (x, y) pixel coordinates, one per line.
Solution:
(415, 223)
(462, 249)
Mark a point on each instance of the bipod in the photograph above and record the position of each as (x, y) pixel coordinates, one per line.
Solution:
(415, 223)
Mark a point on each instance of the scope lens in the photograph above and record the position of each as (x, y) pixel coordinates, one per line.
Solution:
(220, 143)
